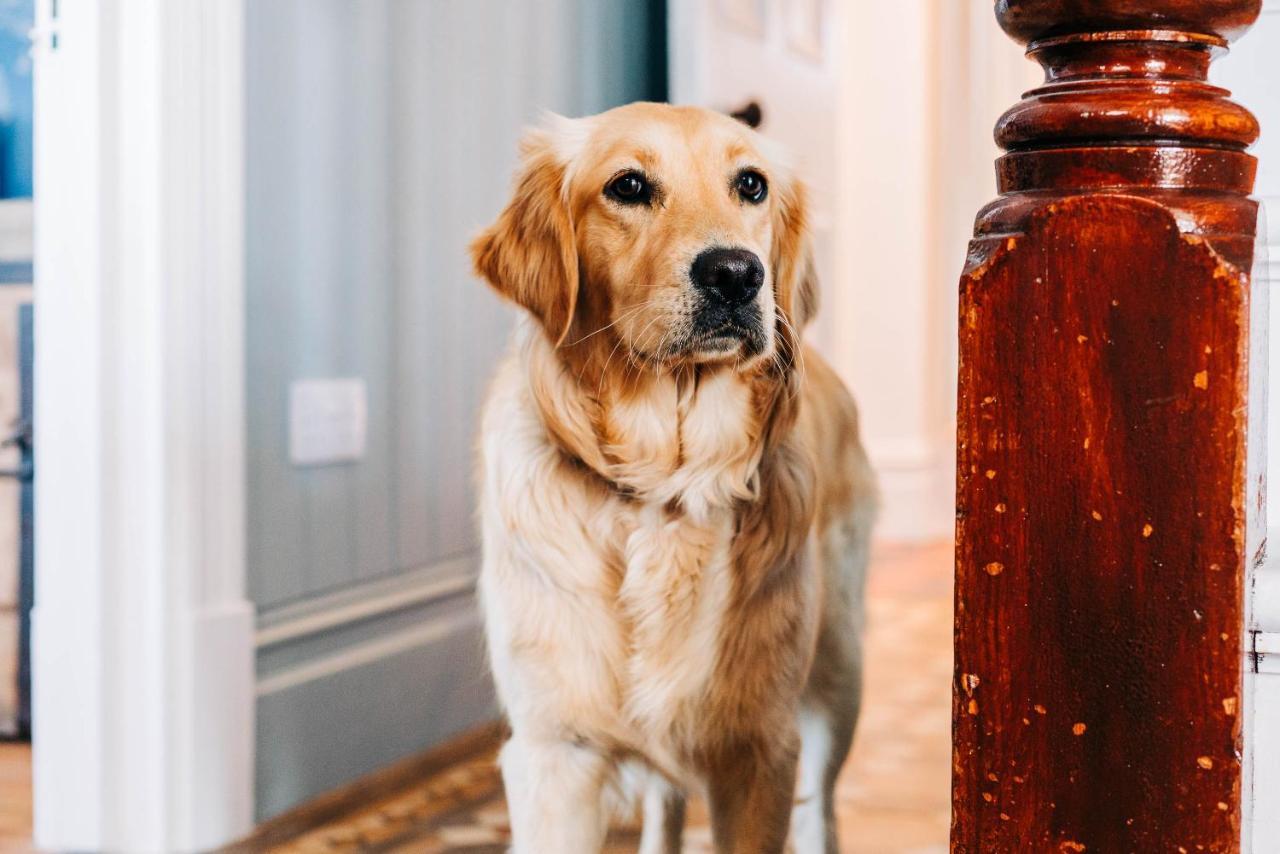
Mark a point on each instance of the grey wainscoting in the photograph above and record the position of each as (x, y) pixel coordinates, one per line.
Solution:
(381, 134)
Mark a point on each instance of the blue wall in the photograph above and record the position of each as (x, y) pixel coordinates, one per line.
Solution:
(381, 135)
(16, 20)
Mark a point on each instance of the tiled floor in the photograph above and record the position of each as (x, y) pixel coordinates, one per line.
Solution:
(893, 794)
(15, 798)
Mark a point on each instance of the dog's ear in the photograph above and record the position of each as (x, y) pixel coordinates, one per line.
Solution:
(529, 255)
(795, 275)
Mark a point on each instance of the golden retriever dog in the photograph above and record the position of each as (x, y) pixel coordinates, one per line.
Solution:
(675, 505)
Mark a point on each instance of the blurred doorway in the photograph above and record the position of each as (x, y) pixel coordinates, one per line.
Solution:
(16, 331)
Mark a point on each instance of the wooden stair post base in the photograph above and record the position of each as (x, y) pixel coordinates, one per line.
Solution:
(1109, 465)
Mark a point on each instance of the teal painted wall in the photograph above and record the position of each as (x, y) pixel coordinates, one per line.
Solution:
(381, 134)
(17, 17)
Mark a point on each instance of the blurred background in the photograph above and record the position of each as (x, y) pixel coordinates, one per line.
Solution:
(15, 364)
(381, 136)
(252, 215)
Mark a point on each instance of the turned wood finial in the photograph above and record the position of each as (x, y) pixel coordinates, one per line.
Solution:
(1126, 106)
(1028, 20)
(1111, 373)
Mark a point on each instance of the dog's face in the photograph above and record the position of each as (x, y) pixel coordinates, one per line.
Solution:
(668, 229)
(674, 224)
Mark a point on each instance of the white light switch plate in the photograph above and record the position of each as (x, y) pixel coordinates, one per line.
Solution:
(327, 421)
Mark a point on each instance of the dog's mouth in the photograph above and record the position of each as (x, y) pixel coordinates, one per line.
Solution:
(727, 339)
(711, 335)
(725, 334)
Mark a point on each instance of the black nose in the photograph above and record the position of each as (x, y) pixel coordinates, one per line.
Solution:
(733, 276)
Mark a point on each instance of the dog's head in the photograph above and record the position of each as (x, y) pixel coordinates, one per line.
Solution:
(669, 229)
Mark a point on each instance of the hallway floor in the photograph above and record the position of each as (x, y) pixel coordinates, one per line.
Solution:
(15, 798)
(893, 795)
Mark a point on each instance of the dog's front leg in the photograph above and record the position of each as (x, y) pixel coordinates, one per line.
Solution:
(751, 789)
(554, 795)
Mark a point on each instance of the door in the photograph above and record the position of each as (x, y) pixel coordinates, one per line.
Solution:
(15, 298)
(16, 501)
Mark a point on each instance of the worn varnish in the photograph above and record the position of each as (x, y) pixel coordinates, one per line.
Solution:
(1104, 520)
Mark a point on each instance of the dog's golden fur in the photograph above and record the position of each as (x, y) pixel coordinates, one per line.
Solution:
(675, 527)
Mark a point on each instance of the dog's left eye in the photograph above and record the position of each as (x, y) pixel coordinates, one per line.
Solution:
(630, 188)
(752, 186)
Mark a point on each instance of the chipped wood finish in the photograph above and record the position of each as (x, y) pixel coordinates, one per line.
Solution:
(1102, 443)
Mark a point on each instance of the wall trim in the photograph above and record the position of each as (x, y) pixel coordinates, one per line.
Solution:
(1260, 820)
(368, 652)
(142, 633)
(431, 681)
(366, 601)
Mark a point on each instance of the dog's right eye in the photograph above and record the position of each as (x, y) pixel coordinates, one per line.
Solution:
(630, 188)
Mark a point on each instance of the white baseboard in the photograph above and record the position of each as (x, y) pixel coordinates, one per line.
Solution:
(366, 653)
(917, 498)
(366, 601)
(221, 746)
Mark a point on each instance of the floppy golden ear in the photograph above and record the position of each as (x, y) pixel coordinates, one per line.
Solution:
(795, 275)
(528, 255)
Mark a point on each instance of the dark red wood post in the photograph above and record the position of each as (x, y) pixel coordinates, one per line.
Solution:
(1106, 483)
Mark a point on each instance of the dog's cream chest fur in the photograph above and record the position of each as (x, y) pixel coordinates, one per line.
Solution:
(604, 609)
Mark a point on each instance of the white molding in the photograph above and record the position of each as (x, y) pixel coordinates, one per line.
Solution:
(1260, 824)
(367, 652)
(143, 644)
(367, 601)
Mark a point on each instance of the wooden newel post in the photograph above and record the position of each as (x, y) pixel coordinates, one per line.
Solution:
(1108, 496)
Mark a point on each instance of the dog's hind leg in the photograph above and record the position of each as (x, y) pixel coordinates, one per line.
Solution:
(664, 808)
(825, 737)
(828, 715)
(833, 698)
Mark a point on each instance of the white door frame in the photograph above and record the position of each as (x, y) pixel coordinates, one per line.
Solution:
(142, 634)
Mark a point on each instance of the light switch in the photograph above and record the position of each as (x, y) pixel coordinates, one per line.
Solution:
(327, 421)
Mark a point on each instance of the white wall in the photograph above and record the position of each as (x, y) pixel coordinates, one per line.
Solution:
(1250, 71)
(915, 134)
